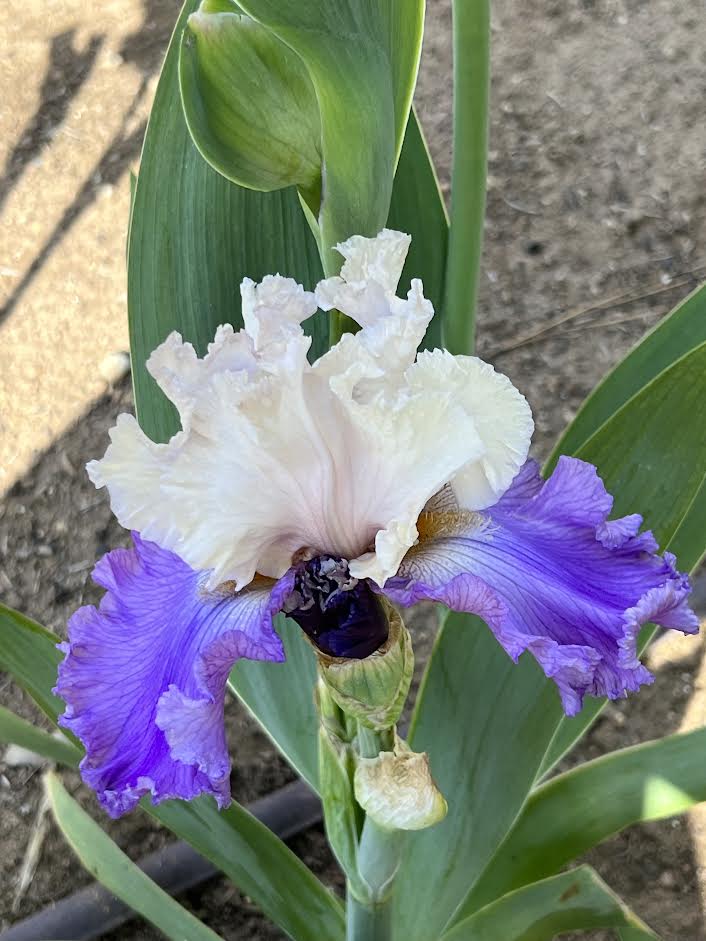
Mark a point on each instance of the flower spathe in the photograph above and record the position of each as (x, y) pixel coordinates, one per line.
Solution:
(373, 469)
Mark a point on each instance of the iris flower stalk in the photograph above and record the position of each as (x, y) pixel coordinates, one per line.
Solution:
(327, 491)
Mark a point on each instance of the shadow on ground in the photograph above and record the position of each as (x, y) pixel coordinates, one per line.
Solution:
(67, 70)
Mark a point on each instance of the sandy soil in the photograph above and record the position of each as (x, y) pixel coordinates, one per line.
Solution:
(595, 209)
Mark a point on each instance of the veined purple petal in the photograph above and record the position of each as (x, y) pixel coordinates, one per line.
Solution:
(551, 575)
(144, 675)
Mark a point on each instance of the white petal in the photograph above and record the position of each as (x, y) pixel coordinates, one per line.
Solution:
(501, 415)
(385, 347)
(181, 375)
(278, 457)
(369, 276)
(416, 440)
(378, 259)
(273, 309)
(284, 460)
(132, 470)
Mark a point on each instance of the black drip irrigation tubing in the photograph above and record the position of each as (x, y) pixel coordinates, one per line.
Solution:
(93, 911)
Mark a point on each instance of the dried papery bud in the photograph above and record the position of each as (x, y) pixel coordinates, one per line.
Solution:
(373, 690)
(397, 791)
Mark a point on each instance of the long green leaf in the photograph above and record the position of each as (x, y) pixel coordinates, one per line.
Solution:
(574, 811)
(657, 440)
(113, 869)
(18, 731)
(575, 900)
(568, 733)
(471, 39)
(281, 698)
(418, 208)
(689, 540)
(652, 456)
(28, 652)
(679, 333)
(260, 865)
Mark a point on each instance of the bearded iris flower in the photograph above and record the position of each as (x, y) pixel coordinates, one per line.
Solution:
(315, 489)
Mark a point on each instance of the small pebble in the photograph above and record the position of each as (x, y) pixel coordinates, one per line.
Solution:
(66, 463)
(114, 367)
(16, 757)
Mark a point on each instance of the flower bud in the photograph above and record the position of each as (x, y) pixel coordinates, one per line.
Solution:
(373, 690)
(249, 103)
(397, 791)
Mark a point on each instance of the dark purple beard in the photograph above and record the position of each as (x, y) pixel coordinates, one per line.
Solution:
(344, 617)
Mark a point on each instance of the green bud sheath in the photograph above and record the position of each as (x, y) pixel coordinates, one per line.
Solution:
(373, 690)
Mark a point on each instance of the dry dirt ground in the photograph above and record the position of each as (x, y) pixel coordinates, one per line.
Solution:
(595, 209)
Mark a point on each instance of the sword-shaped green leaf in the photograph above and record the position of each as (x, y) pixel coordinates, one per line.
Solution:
(577, 810)
(18, 731)
(116, 871)
(260, 864)
(484, 722)
(635, 934)
(575, 900)
(418, 208)
(678, 333)
(281, 697)
(28, 653)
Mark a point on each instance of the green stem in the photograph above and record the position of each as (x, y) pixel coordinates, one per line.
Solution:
(379, 854)
(471, 45)
(368, 924)
(339, 324)
(331, 262)
(371, 743)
